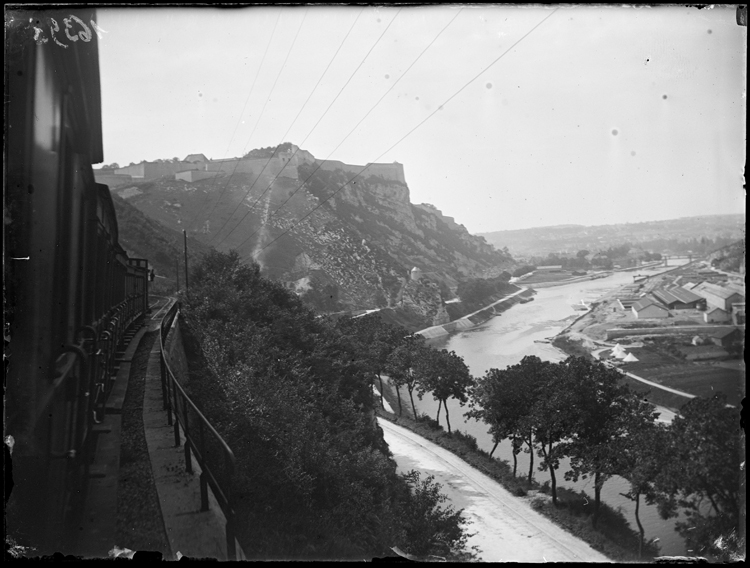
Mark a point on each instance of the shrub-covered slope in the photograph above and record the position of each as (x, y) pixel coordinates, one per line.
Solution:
(292, 396)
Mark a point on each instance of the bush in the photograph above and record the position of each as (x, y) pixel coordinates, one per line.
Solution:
(430, 422)
(520, 492)
(468, 439)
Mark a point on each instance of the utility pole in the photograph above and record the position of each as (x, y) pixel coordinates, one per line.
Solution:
(177, 272)
(184, 235)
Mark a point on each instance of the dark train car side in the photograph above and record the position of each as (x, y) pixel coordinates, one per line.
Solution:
(70, 289)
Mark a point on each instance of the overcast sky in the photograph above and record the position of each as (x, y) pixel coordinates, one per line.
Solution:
(580, 115)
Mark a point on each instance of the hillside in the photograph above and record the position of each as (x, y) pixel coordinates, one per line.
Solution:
(308, 229)
(670, 234)
(142, 237)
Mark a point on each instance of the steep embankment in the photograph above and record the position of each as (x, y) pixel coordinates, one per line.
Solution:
(316, 224)
(143, 237)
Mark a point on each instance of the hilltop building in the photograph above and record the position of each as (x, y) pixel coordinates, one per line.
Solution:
(283, 164)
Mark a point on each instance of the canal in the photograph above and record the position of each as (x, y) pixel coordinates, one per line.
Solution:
(505, 340)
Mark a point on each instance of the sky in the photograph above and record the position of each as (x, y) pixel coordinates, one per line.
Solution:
(503, 117)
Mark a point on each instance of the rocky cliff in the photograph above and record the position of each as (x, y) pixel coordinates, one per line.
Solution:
(358, 230)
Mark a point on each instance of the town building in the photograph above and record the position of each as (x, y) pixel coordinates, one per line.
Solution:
(719, 297)
(716, 315)
(646, 308)
(199, 159)
(678, 298)
(727, 338)
(153, 170)
(195, 175)
(738, 314)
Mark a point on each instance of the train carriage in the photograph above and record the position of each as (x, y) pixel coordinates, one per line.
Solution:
(71, 291)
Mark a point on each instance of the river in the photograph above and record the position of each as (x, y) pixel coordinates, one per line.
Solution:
(504, 340)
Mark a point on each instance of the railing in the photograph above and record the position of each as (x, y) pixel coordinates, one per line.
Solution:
(212, 453)
(75, 404)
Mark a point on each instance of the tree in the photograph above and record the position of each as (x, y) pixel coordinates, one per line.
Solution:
(432, 530)
(605, 413)
(376, 340)
(640, 460)
(704, 466)
(502, 398)
(446, 375)
(402, 365)
(549, 421)
(582, 253)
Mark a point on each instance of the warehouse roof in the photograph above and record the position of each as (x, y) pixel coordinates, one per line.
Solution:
(645, 303)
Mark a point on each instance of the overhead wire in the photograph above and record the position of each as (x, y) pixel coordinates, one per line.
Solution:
(294, 121)
(260, 116)
(355, 126)
(315, 125)
(239, 120)
(439, 108)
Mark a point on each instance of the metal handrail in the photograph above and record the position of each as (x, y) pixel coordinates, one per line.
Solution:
(178, 404)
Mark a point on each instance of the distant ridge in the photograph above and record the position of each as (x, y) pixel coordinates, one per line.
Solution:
(573, 238)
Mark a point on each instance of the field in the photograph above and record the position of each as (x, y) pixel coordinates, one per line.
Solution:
(701, 379)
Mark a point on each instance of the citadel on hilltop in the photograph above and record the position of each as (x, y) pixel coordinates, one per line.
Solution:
(284, 164)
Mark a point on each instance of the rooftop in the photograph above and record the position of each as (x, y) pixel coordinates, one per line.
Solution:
(719, 291)
(724, 332)
(645, 303)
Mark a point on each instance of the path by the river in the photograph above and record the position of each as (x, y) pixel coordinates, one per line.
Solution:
(506, 527)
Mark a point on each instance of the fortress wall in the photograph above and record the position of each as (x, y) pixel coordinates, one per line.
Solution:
(393, 171)
(274, 167)
(331, 165)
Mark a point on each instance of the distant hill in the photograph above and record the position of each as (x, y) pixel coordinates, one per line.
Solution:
(540, 241)
(309, 228)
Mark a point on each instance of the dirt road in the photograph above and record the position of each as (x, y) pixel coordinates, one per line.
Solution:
(506, 527)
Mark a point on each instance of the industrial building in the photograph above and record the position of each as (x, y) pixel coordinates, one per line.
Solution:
(646, 308)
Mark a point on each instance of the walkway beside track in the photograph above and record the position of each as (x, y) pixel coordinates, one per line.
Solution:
(191, 532)
(99, 522)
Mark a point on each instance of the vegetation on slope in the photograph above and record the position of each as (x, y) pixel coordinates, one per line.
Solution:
(143, 237)
(292, 396)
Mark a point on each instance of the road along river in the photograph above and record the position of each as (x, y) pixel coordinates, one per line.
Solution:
(505, 340)
(506, 528)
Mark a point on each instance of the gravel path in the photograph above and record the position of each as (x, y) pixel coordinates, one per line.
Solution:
(139, 519)
(506, 528)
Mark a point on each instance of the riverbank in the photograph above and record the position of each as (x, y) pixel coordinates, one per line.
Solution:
(654, 395)
(478, 317)
(614, 538)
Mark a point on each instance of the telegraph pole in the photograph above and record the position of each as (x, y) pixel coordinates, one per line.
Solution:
(184, 235)
(177, 272)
